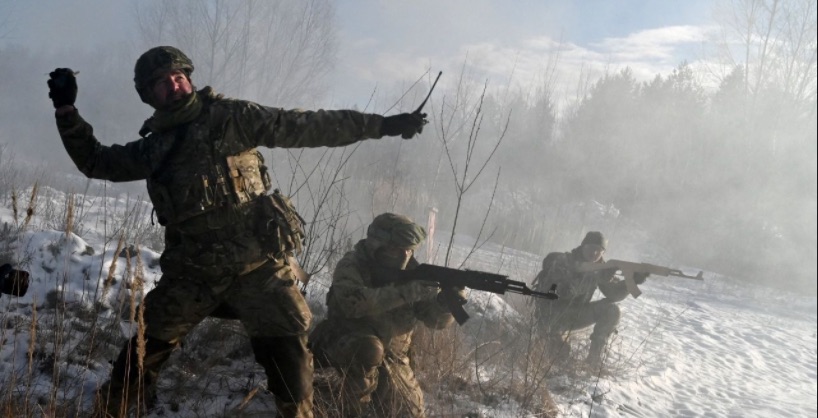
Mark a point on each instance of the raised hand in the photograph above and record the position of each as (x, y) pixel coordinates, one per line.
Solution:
(62, 87)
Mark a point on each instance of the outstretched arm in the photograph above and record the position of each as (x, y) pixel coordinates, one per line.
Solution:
(275, 127)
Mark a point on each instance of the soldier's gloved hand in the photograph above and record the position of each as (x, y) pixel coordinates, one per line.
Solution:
(452, 295)
(608, 273)
(62, 87)
(640, 278)
(418, 290)
(406, 125)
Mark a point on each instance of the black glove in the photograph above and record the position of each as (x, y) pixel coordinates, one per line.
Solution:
(62, 87)
(640, 278)
(406, 125)
(609, 273)
(418, 290)
(452, 295)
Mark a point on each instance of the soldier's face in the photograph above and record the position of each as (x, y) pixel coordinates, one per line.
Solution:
(394, 257)
(592, 252)
(169, 89)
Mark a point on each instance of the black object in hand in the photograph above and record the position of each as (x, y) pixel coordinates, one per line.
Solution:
(406, 125)
(62, 87)
(13, 282)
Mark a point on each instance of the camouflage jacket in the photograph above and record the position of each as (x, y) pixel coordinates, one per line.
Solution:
(356, 304)
(216, 164)
(576, 289)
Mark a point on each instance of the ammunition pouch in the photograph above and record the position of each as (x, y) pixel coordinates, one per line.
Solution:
(248, 176)
(281, 228)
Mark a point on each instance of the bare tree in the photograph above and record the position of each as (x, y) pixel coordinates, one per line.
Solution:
(773, 41)
(317, 182)
(466, 175)
(267, 51)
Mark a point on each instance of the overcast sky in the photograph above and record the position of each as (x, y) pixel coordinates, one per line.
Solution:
(382, 42)
(387, 44)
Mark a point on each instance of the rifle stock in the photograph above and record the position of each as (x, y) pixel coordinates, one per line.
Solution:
(449, 279)
(629, 268)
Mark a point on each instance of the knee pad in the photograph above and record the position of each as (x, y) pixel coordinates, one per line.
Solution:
(367, 351)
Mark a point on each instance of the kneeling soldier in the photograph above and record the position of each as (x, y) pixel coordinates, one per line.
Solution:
(371, 318)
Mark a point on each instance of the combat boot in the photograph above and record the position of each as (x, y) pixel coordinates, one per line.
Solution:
(108, 402)
(129, 384)
(595, 352)
(113, 400)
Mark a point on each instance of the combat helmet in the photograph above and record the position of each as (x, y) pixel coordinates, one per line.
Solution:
(393, 229)
(155, 62)
(595, 238)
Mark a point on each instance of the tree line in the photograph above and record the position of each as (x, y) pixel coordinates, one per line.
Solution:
(720, 175)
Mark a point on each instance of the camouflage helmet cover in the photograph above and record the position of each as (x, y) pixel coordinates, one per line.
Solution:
(595, 238)
(395, 230)
(155, 62)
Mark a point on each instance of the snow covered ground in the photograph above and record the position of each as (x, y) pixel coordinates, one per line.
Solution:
(723, 349)
(718, 348)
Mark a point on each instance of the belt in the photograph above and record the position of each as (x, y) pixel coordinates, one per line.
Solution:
(219, 224)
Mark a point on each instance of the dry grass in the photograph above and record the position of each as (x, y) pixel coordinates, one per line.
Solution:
(68, 346)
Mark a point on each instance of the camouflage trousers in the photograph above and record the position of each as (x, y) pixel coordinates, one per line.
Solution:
(602, 314)
(375, 382)
(269, 305)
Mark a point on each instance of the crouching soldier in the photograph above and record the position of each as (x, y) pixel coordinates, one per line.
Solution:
(371, 318)
(575, 310)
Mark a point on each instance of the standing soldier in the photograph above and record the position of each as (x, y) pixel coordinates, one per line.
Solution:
(223, 246)
(574, 310)
(371, 319)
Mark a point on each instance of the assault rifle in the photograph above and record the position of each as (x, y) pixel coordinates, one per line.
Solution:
(629, 268)
(449, 279)
(13, 282)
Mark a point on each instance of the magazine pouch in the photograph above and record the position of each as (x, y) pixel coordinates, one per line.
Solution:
(281, 227)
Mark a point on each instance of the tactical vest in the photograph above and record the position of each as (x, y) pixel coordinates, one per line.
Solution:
(205, 168)
(209, 187)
